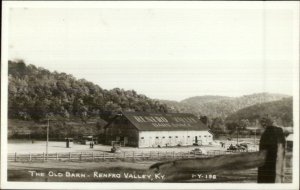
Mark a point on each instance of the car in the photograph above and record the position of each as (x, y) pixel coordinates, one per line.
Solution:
(242, 147)
(198, 151)
(238, 147)
(232, 147)
(116, 147)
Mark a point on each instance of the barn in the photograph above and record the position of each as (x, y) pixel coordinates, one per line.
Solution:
(141, 129)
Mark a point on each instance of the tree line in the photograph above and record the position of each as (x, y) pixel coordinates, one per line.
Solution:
(35, 93)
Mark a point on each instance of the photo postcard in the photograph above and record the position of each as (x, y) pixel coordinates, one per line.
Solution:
(150, 95)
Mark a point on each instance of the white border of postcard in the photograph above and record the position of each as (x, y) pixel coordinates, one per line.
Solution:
(291, 5)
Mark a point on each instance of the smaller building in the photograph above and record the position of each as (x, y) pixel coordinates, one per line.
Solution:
(87, 139)
(142, 129)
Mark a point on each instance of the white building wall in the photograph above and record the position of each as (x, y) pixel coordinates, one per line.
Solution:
(173, 138)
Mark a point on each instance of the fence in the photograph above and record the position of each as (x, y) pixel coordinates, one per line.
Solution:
(94, 156)
(270, 161)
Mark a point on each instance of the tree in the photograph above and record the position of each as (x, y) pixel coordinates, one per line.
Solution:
(205, 120)
(217, 125)
(232, 127)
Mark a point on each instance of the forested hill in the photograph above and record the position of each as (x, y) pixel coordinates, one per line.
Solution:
(35, 93)
(281, 111)
(221, 106)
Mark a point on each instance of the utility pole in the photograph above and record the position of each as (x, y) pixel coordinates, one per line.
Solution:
(254, 137)
(47, 140)
(237, 138)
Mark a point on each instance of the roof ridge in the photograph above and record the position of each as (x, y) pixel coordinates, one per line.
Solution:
(146, 121)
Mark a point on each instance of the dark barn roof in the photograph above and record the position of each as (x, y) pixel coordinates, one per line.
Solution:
(165, 121)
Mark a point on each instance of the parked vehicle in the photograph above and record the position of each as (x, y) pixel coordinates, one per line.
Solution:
(116, 147)
(238, 147)
(232, 147)
(242, 147)
(198, 151)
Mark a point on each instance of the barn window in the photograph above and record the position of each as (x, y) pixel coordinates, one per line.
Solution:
(188, 136)
(156, 137)
(163, 137)
(204, 135)
(142, 137)
(170, 137)
(176, 137)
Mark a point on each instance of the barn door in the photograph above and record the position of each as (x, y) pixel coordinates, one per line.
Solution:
(196, 139)
(125, 141)
(156, 141)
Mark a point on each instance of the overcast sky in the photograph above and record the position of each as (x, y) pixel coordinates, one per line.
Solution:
(162, 53)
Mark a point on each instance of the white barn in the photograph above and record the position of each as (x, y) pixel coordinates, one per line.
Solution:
(158, 130)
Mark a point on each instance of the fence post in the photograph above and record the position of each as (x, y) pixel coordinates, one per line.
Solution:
(133, 155)
(80, 155)
(273, 141)
(29, 156)
(103, 156)
(124, 155)
(56, 156)
(69, 155)
(15, 156)
(93, 156)
(43, 156)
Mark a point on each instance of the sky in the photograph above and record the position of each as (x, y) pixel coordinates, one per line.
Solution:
(164, 53)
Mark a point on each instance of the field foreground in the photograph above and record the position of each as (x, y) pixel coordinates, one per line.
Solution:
(122, 171)
(113, 170)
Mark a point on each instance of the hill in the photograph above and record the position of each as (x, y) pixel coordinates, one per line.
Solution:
(73, 106)
(221, 106)
(281, 111)
(36, 93)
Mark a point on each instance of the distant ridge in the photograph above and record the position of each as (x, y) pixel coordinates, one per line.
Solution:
(281, 111)
(221, 106)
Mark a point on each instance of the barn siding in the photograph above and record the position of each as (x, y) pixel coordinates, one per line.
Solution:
(173, 138)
